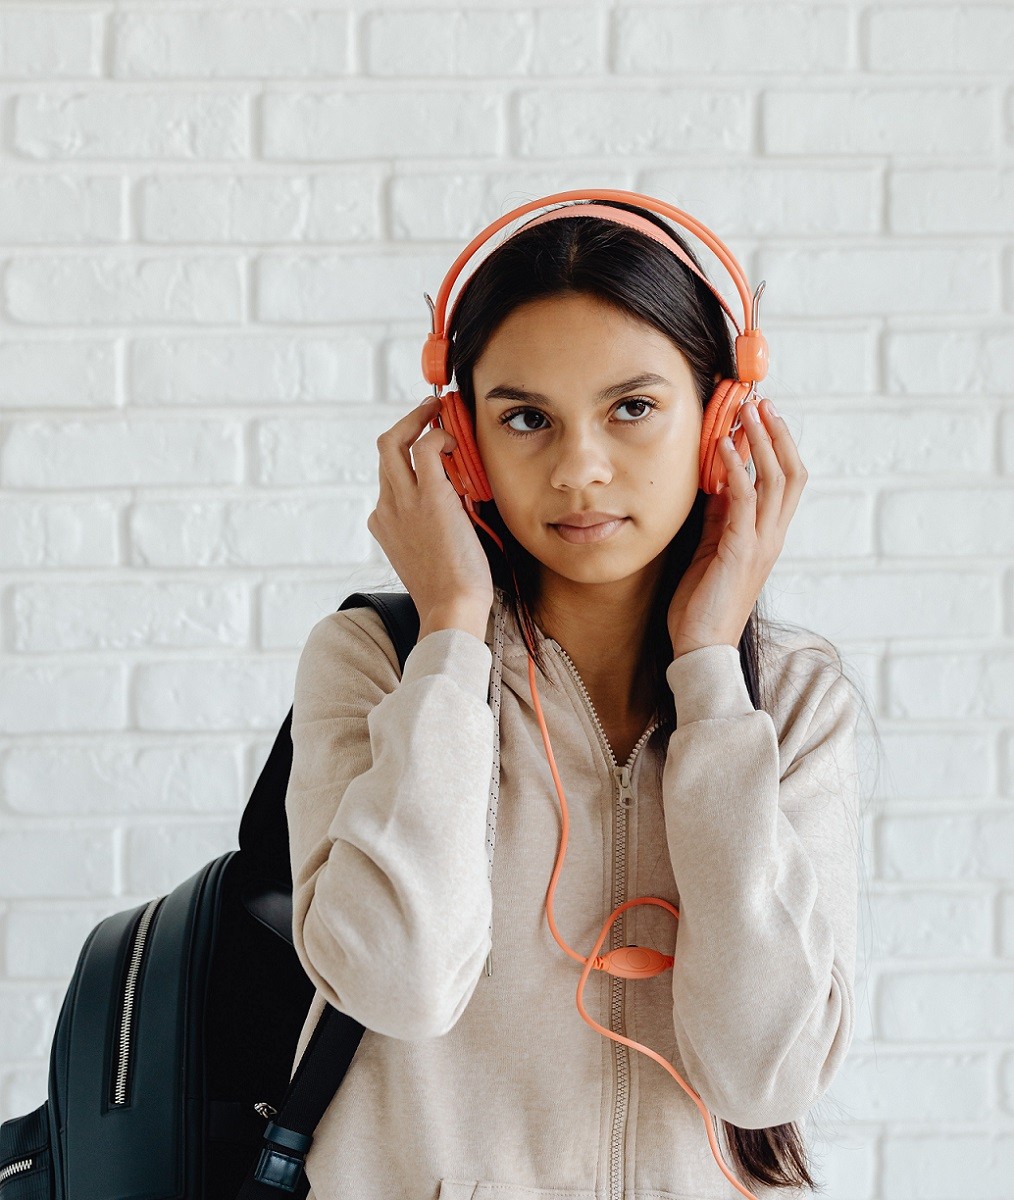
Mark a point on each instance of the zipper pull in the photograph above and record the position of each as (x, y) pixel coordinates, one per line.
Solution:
(622, 775)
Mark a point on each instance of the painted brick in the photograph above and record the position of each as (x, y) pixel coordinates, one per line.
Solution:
(36, 209)
(121, 453)
(264, 533)
(58, 533)
(352, 123)
(124, 779)
(240, 694)
(260, 208)
(562, 123)
(882, 119)
(54, 698)
(245, 42)
(935, 1167)
(958, 686)
(732, 39)
(117, 122)
(249, 369)
(939, 39)
(947, 847)
(53, 617)
(47, 373)
(104, 290)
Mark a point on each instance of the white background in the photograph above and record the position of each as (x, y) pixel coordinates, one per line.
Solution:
(216, 226)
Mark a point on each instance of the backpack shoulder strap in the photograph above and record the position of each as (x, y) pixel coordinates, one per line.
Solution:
(336, 1036)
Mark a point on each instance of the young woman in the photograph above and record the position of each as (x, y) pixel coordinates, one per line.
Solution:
(705, 761)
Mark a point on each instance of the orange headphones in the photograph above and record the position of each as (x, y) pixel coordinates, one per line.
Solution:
(464, 469)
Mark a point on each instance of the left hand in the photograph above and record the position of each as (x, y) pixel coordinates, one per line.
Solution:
(743, 534)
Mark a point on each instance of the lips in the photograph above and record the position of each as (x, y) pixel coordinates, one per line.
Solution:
(590, 533)
(583, 520)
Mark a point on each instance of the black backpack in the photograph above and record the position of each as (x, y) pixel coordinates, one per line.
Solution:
(170, 1063)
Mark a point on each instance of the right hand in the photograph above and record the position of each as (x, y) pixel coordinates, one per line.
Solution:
(420, 522)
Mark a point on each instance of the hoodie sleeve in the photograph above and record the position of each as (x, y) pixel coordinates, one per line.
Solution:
(763, 837)
(386, 806)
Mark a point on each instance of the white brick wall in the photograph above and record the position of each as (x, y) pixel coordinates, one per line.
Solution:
(216, 225)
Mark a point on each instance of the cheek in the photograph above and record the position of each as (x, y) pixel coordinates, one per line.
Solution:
(507, 468)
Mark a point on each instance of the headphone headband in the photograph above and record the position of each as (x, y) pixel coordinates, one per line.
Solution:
(751, 345)
(608, 212)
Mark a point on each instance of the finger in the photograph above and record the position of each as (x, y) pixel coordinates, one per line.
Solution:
(393, 445)
(770, 482)
(785, 446)
(743, 498)
(788, 455)
(428, 453)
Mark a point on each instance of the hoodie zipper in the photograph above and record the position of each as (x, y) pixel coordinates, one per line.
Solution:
(126, 1028)
(617, 938)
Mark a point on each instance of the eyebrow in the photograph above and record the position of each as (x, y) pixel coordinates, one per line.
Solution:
(645, 379)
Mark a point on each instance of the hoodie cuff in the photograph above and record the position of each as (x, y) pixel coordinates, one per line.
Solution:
(455, 653)
(707, 683)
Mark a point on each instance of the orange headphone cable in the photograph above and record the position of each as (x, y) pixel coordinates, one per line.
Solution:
(628, 962)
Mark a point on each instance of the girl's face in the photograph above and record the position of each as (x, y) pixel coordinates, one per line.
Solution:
(574, 442)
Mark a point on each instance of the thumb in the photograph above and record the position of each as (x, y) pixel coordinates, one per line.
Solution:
(428, 452)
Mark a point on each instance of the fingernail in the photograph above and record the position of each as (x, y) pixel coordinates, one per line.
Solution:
(750, 412)
(771, 408)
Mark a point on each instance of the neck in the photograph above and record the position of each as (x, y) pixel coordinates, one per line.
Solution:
(602, 628)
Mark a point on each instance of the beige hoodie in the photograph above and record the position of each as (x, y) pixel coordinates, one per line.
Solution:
(475, 1086)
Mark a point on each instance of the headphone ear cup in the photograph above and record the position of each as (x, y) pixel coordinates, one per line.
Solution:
(463, 466)
(719, 417)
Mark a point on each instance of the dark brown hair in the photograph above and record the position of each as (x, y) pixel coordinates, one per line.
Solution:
(632, 271)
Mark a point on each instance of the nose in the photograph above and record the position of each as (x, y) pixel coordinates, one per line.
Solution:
(580, 460)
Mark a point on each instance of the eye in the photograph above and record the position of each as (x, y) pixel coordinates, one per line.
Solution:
(643, 401)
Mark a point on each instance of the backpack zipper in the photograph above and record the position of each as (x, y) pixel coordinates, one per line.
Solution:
(123, 1045)
(621, 1057)
(15, 1168)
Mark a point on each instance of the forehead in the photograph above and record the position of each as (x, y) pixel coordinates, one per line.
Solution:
(577, 332)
